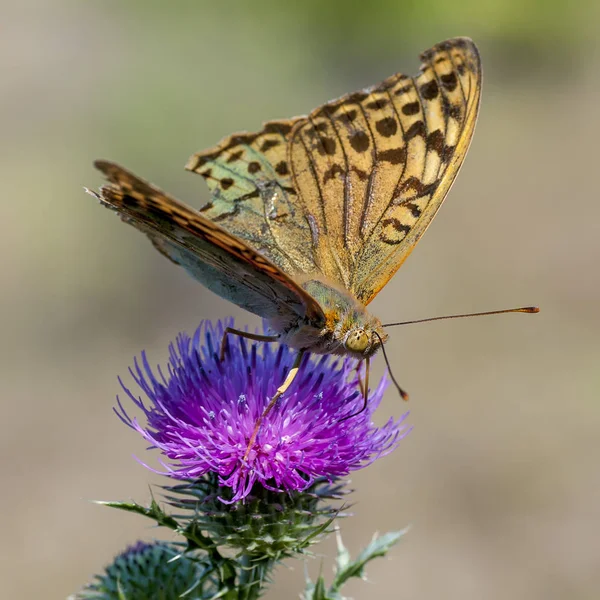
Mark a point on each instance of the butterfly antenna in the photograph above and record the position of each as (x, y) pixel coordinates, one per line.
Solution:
(525, 309)
(389, 368)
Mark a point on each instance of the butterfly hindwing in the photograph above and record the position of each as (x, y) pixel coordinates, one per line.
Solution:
(436, 145)
(254, 197)
(218, 259)
(373, 167)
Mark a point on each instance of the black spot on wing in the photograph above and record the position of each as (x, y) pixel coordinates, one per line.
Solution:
(377, 104)
(277, 127)
(327, 146)
(416, 129)
(350, 115)
(362, 175)
(436, 142)
(268, 144)
(387, 127)
(281, 168)
(332, 172)
(235, 156)
(430, 90)
(411, 108)
(449, 81)
(360, 141)
(403, 90)
(414, 209)
(395, 156)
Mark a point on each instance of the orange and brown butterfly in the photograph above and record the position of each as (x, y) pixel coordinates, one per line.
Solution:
(310, 217)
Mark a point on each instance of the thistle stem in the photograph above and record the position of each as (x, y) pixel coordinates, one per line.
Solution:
(252, 576)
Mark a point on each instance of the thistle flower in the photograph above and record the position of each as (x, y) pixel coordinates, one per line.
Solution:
(202, 414)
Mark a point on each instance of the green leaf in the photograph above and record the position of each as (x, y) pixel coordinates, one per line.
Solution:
(347, 568)
(315, 591)
(343, 556)
(154, 512)
(317, 531)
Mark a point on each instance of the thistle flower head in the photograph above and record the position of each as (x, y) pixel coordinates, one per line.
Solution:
(147, 570)
(202, 412)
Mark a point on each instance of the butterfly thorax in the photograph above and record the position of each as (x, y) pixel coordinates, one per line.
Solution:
(348, 328)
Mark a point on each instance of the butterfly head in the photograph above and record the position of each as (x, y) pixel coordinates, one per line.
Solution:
(363, 340)
(357, 340)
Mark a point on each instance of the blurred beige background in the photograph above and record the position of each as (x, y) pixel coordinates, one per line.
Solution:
(500, 478)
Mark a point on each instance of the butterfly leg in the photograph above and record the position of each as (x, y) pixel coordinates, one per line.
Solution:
(280, 391)
(250, 336)
(360, 381)
(364, 388)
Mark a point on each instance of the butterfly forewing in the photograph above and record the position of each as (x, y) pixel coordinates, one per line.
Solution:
(373, 167)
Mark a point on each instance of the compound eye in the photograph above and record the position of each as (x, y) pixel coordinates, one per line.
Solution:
(357, 341)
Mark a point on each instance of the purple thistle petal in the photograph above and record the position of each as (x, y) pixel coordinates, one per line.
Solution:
(202, 413)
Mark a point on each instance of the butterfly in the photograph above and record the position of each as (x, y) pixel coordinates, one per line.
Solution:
(310, 217)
